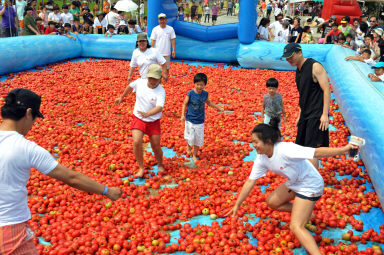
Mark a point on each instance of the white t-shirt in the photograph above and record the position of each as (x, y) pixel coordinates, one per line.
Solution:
(264, 32)
(277, 11)
(277, 27)
(18, 156)
(111, 18)
(144, 59)
(54, 17)
(142, 9)
(381, 77)
(163, 37)
(370, 62)
(147, 99)
(290, 161)
(284, 35)
(67, 17)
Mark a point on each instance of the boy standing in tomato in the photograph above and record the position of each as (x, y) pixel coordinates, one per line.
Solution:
(194, 120)
(150, 99)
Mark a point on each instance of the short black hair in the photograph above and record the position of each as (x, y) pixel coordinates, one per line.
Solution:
(272, 82)
(67, 25)
(14, 111)
(306, 28)
(349, 36)
(268, 133)
(132, 22)
(110, 26)
(38, 19)
(65, 6)
(367, 51)
(342, 37)
(51, 23)
(148, 44)
(279, 15)
(334, 24)
(200, 77)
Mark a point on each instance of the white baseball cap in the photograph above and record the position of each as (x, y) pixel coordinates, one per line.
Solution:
(162, 16)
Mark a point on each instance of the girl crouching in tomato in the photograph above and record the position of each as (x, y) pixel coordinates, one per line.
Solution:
(304, 184)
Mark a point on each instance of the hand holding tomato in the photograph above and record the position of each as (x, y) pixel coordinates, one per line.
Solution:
(114, 193)
(118, 101)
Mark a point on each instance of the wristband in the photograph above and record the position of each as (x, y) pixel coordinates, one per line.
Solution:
(105, 190)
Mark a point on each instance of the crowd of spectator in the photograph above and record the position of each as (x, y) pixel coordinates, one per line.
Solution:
(25, 18)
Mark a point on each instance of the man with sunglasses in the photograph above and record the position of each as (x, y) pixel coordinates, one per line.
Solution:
(372, 24)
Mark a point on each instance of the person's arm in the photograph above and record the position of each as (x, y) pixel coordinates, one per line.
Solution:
(298, 117)
(283, 111)
(151, 112)
(106, 34)
(131, 70)
(33, 29)
(209, 103)
(262, 110)
(323, 152)
(103, 30)
(298, 36)
(127, 90)
(185, 103)
(247, 188)
(164, 72)
(153, 43)
(173, 42)
(82, 182)
(373, 77)
(357, 58)
(321, 76)
(70, 37)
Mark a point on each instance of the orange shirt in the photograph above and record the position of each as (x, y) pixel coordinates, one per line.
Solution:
(263, 5)
(106, 6)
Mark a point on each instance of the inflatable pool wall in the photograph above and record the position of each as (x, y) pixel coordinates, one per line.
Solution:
(361, 101)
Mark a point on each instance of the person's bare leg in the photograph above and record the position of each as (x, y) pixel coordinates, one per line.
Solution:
(137, 136)
(280, 199)
(188, 149)
(195, 150)
(156, 148)
(301, 213)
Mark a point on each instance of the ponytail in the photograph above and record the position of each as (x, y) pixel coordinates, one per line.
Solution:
(268, 133)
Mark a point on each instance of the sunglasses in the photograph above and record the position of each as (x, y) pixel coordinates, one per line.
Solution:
(372, 21)
(142, 41)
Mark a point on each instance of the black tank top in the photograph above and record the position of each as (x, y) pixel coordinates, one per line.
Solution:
(311, 95)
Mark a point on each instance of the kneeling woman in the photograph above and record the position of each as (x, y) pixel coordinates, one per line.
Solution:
(304, 184)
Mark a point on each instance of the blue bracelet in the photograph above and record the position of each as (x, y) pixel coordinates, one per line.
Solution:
(105, 190)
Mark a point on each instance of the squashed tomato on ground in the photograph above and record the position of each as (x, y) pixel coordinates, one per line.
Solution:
(86, 132)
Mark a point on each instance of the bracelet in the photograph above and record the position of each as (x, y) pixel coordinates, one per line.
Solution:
(105, 190)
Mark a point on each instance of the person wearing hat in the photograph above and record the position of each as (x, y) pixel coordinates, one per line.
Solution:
(18, 156)
(345, 28)
(144, 56)
(314, 99)
(150, 99)
(100, 23)
(379, 72)
(162, 37)
(87, 15)
(123, 29)
(373, 24)
(364, 18)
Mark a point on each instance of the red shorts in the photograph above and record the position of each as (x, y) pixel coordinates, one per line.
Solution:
(149, 128)
(17, 239)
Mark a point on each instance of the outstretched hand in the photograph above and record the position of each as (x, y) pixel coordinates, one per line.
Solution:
(233, 211)
(118, 101)
(114, 193)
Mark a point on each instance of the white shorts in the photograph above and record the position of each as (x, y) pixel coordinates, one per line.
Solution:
(194, 134)
(167, 61)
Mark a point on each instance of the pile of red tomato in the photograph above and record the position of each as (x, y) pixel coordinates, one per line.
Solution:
(88, 133)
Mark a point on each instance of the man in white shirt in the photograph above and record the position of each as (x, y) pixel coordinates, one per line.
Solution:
(142, 10)
(150, 99)
(18, 156)
(277, 27)
(66, 16)
(162, 37)
(112, 17)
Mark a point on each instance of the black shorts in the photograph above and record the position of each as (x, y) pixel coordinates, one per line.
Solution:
(309, 134)
(214, 17)
(314, 199)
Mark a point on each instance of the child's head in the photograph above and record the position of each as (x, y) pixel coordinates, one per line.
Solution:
(341, 39)
(379, 71)
(60, 29)
(111, 28)
(368, 39)
(285, 24)
(76, 21)
(335, 26)
(349, 38)
(67, 27)
(65, 8)
(38, 21)
(51, 25)
(307, 29)
(366, 54)
(272, 85)
(200, 80)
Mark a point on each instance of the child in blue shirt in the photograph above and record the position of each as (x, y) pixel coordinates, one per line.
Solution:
(194, 120)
